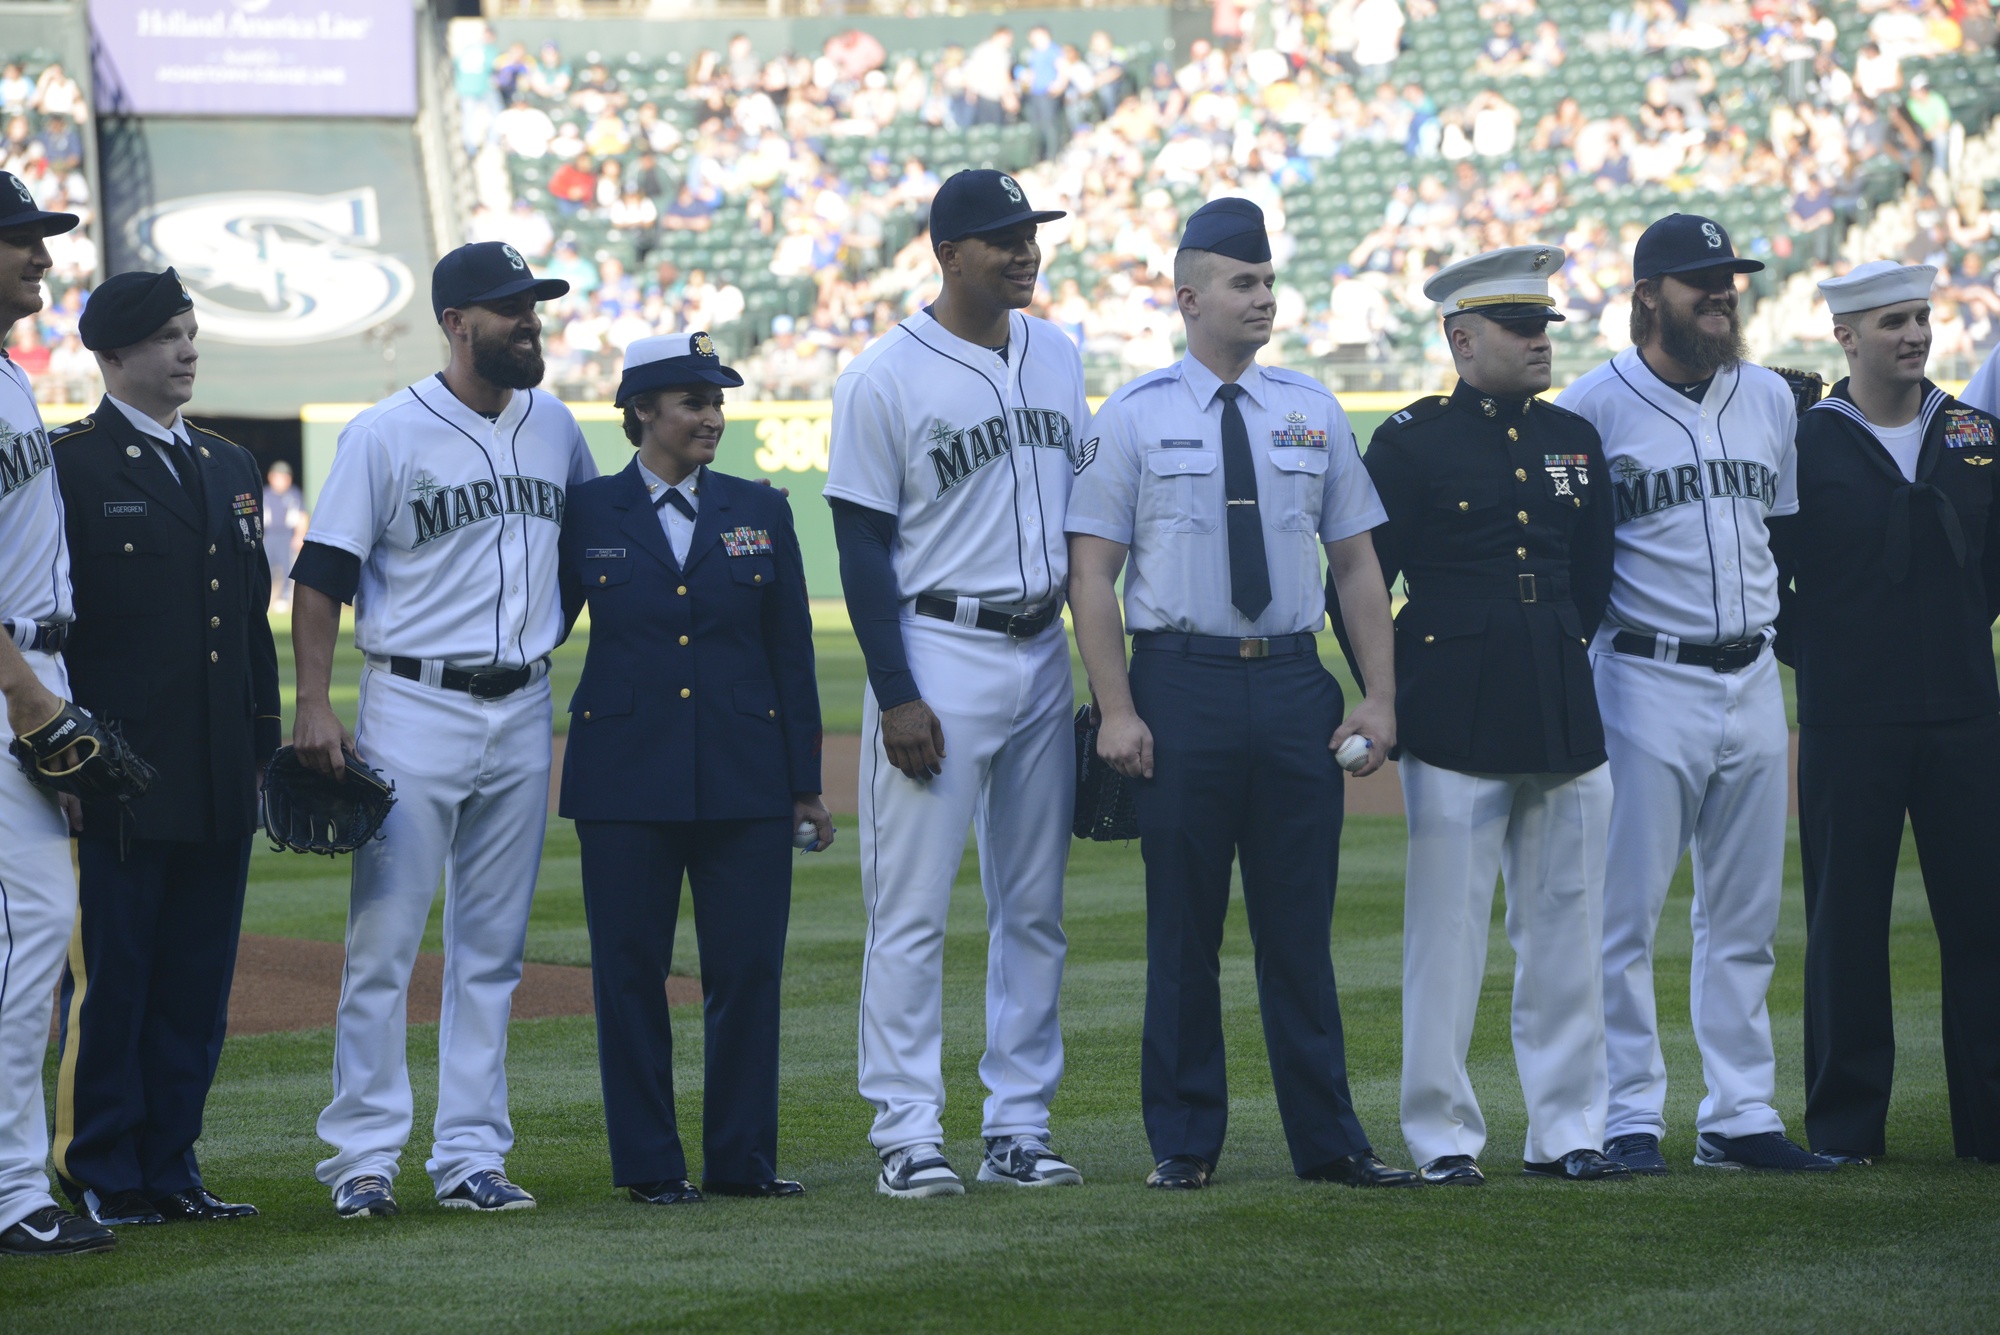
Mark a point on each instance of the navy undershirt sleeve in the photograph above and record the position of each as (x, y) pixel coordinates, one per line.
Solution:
(865, 538)
(335, 573)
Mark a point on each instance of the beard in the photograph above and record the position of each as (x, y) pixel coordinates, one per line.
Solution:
(1681, 338)
(499, 362)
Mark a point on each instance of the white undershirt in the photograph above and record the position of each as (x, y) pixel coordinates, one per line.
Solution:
(1904, 443)
(159, 435)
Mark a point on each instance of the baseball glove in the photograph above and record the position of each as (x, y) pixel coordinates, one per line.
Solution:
(1105, 807)
(310, 812)
(107, 768)
(1807, 387)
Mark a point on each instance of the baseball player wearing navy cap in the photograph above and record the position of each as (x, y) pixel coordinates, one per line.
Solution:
(439, 521)
(955, 443)
(1700, 448)
(37, 885)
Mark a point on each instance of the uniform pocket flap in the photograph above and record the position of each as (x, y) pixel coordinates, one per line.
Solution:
(596, 700)
(1299, 460)
(129, 537)
(757, 699)
(602, 572)
(758, 570)
(1175, 463)
(1445, 619)
(1466, 494)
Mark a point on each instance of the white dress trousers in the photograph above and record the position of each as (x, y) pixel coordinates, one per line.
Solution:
(1698, 762)
(1545, 834)
(472, 803)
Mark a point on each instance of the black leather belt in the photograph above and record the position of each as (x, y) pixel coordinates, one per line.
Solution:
(1722, 657)
(49, 636)
(495, 684)
(1222, 646)
(1547, 587)
(1017, 625)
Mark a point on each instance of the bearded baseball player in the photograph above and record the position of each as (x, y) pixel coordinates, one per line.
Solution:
(953, 452)
(439, 522)
(37, 882)
(1699, 447)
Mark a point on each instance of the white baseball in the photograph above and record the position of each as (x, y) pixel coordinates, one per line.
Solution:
(806, 835)
(1353, 753)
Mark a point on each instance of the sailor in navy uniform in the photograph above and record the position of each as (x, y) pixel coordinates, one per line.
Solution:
(694, 747)
(171, 641)
(1889, 581)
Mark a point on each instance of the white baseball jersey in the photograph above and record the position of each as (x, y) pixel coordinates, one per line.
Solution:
(34, 556)
(973, 452)
(455, 520)
(1983, 390)
(1693, 483)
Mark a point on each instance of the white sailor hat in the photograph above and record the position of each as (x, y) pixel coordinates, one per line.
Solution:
(1507, 284)
(1878, 283)
(672, 359)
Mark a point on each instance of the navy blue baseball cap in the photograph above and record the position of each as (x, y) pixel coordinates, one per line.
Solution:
(981, 200)
(128, 307)
(671, 359)
(486, 271)
(18, 209)
(1684, 242)
(1230, 226)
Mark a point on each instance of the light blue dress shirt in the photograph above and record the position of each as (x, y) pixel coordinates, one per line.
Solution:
(677, 526)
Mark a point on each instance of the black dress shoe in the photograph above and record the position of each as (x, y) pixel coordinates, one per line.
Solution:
(777, 1186)
(1847, 1159)
(119, 1208)
(1180, 1172)
(674, 1191)
(1579, 1166)
(198, 1205)
(1452, 1170)
(1363, 1170)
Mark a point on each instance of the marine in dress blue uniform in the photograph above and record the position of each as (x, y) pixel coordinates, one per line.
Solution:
(1223, 491)
(171, 642)
(694, 748)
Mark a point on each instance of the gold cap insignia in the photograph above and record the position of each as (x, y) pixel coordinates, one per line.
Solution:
(1541, 258)
(704, 346)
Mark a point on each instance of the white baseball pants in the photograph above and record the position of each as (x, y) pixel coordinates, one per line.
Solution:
(1698, 761)
(1009, 772)
(37, 910)
(472, 798)
(1545, 833)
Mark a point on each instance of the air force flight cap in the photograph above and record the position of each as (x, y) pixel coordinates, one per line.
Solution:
(18, 210)
(1683, 243)
(1507, 284)
(672, 359)
(1230, 226)
(486, 271)
(981, 200)
(128, 307)
(1878, 283)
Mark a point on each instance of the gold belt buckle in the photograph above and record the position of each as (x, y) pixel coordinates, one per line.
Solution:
(1253, 648)
(1527, 586)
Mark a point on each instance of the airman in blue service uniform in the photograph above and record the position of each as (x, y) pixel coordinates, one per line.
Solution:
(1500, 524)
(1223, 480)
(694, 747)
(1888, 585)
(171, 641)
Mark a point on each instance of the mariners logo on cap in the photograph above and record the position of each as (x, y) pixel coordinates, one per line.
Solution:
(703, 345)
(514, 258)
(21, 188)
(1713, 235)
(1013, 190)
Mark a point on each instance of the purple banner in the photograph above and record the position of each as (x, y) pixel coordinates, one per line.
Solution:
(256, 57)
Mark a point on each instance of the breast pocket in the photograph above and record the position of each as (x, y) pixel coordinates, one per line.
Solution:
(1566, 481)
(1171, 493)
(756, 571)
(131, 558)
(1301, 487)
(1465, 497)
(603, 572)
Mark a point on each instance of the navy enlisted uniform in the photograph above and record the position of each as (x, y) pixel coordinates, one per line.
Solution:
(1500, 523)
(171, 642)
(1240, 710)
(695, 726)
(1889, 579)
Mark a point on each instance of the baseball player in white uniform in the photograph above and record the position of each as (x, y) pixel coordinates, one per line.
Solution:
(37, 880)
(1699, 446)
(1983, 390)
(439, 522)
(953, 452)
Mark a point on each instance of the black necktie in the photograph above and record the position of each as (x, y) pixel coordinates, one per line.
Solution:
(672, 496)
(1249, 572)
(188, 468)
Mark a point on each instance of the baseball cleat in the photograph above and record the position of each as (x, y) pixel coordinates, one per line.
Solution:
(1639, 1151)
(1766, 1152)
(1025, 1161)
(918, 1170)
(1584, 1165)
(54, 1231)
(487, 1191)
(1452, 1170)
(366, 1196)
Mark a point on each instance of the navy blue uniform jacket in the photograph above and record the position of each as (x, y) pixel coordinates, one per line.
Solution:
(698, 699)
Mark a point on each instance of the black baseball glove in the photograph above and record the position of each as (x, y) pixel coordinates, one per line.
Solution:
(1807, 386)
(310, 812)
(1105, 807)
(106, 766)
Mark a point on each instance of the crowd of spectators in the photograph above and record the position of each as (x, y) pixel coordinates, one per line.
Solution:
(45, 117)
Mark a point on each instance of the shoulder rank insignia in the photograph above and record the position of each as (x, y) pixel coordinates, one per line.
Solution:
(747, 542)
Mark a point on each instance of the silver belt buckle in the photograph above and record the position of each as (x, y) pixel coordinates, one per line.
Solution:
(1527, 588)
(1257, 648)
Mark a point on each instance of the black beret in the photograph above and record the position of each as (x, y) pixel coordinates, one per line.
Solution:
(1232, 227)
(129, 306)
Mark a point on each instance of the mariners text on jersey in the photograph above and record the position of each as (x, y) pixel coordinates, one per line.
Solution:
(958, 452)
(441, 510)
(1639, 493)
(24, 456)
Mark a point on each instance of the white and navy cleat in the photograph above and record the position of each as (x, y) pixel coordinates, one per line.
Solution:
(487, 1191)
(1025, 1161)
(918, 1170)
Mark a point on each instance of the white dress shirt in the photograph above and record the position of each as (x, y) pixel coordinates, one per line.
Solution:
(679, 528)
